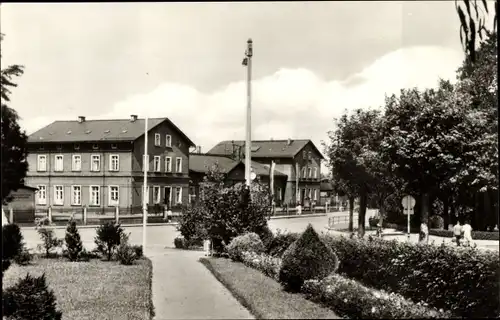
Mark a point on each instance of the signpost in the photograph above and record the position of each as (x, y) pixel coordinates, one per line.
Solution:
(408, 203)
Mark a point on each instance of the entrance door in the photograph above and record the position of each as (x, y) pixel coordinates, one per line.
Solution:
(167, 196)
(302, 196)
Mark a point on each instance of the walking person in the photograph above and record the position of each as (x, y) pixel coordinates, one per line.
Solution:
(467, 231)
(457, 231)
(424, 233)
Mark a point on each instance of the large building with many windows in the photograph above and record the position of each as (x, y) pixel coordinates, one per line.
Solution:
(99, 163)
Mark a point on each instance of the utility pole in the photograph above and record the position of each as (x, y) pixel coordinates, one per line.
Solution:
(145, 193)
(248, 149)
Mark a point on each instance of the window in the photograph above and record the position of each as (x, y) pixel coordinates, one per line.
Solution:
(279, 194)
(315, 173)
(178, 165)
(95, 146)
(178, 194)
(42, 194)
(168, 140)
(114, 162)
(145, 193)
(113, 195)
(95, 195)
(303, 172)
(145, 162)
(156, 163)
(156, 194)
(168, 195)
(76, 164)
(76, 195)
(42, 162)
(309, 193)
(168, 164)
(95, 164)
(157, 139)
(309, 172)
(315, 194)
(58, 165)
(58, 195)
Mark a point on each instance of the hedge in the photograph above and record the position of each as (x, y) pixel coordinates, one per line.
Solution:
(462, 280)
(348, 297)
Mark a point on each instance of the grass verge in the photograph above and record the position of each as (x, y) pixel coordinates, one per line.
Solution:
(95, 289)
(261, 295)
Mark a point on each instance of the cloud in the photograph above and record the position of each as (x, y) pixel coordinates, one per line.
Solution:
(293, 103)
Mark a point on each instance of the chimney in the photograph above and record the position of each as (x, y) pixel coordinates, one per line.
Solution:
(289, 142)
(199, 149)
(272, 139)
(81, 119)
(133, 117)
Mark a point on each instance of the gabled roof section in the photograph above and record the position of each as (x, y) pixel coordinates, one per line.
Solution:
(265, 148)
(98, 130)
(201, 163)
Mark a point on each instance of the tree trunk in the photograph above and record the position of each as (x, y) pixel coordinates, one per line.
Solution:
(446, 212)
(362, 214)
(424, 208)
(351, 213)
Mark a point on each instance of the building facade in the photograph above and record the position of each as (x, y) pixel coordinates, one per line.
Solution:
(298, 160)
(99, 164)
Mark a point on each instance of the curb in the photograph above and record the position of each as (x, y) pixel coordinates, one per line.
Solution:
(298, 216)
(89, 226)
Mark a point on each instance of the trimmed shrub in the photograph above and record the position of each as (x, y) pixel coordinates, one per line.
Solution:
(49, 240)
(125, 253)
(138, 251)
(108, 238)
(12, 244)
(462, 280)
(74, 244)
(280, 243)
(248, 242)
(266, 235)
(436, 222)
(30, 298)
(476, 235)
(351, 299)
(307, 258)
(180, 243)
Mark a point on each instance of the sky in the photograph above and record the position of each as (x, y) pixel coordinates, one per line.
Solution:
(312, 62)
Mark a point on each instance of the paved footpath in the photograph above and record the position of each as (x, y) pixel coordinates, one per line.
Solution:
(183, 288)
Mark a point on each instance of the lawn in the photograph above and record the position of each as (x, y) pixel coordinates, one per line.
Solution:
(95, 289)
(261, 295)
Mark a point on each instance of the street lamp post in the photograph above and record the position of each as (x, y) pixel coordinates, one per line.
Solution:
(145, 194)
(248, 63)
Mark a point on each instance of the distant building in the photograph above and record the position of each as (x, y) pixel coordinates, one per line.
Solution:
(99, 163)
(234, 171)
(299, 160)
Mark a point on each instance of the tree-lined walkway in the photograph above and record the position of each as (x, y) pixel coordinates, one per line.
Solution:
(184, 289)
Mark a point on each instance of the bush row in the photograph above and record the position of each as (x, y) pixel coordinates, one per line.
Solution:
(476, 235)
(463, 280)
(347, 297)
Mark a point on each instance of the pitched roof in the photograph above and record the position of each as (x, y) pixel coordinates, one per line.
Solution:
(265, 148)
(98, 130)
(202, 162)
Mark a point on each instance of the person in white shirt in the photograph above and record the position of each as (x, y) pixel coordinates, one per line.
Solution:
(457, 232)
(467, 232)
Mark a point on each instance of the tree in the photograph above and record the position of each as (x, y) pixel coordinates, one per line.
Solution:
(352, 153)
(73, 242)
(14, 165)
(108, 238)
(473, 23)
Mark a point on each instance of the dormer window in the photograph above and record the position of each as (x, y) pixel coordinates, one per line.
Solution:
(95, 146)
(76, 146)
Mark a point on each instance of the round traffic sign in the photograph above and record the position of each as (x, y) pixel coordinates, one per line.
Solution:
(408, 202)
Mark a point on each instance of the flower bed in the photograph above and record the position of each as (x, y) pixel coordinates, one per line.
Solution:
(463, 280)
(351, 299)
(348, 297)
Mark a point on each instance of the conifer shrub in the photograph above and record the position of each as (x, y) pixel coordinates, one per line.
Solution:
(30, 298)
(125, 253)
(49, 240)
(307, 258)
(74, 244)
(108, 238)
(13, 246)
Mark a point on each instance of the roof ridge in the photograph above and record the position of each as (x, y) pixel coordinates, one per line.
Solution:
(124, 119)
